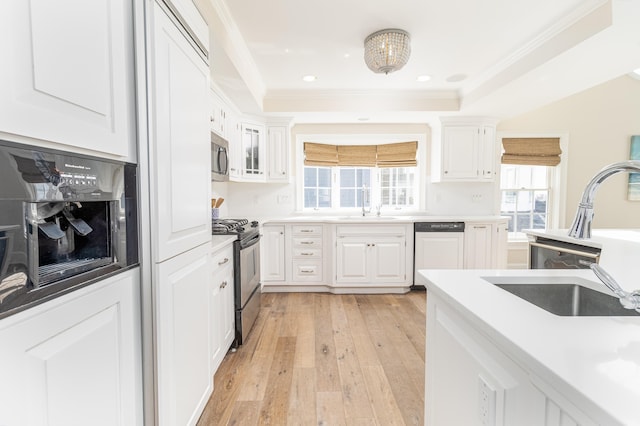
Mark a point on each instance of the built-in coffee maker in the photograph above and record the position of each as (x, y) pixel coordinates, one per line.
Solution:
(65, 221)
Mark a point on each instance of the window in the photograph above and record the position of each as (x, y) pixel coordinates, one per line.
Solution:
(342, 187)
(526, 192)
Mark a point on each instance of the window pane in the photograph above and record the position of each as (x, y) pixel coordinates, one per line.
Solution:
(324, 197)
(524, 201)
(508, 201)
(310, 176)
(347, 178)
(347, 198)
(538, 176)
(524, 221)
(540, 201)
(324, 177)
(310, 198)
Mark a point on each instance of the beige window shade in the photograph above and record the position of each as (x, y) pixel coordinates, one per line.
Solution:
(397, 154)
(531, 151)
(319, 154)
(357, 155)
(401, 154)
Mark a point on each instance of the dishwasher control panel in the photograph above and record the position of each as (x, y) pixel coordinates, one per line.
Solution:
(439, 227)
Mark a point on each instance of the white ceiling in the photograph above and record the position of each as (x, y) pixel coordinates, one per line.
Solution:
(515, 55)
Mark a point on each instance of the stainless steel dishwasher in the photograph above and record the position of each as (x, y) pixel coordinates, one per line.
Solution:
(437, 245)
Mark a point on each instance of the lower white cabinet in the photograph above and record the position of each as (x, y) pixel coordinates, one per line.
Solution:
(485, 245)
(75, 360)
(184, 379)
(272, 253)
(222, 312)
(371, 255)
(472, 381)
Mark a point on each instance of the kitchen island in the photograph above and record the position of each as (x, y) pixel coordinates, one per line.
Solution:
(496, 359)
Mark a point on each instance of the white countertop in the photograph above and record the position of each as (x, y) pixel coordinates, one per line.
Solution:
(594, 359)
(220, 241)
(384, 218)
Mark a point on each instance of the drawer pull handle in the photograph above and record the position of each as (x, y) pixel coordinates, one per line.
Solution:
(306, 271)
(226, 259)
(306, 242)
(223, 284)
(306, 230)
(305, 253)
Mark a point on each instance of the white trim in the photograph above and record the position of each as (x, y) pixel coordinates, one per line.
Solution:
(362, 139)
(558, 185)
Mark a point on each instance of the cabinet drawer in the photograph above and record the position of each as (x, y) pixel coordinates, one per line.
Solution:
(307, 230)
(222, 258)
(307, 270)
(307, 242)
(307, 252)
(370, 231)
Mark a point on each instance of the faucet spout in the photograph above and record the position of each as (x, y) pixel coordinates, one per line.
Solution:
(581, 226)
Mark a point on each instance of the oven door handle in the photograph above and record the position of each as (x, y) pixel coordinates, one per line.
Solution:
(566, 250)
(251, 242)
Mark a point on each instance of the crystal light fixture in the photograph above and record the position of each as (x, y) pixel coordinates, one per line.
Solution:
(387, 50)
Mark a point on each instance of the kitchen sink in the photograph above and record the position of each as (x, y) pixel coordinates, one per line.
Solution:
(569, 299)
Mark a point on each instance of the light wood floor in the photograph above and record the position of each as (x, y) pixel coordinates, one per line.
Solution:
(323, 359)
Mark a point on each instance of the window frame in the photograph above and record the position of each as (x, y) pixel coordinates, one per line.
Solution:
(360, 139)
(557, 180)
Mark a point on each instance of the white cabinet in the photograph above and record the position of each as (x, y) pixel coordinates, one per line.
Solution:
(306, 253)
(253, 152)
(485, 245)
(371, 255)
(222, 312)
(234, 137)
(219, 116)
(272, 253)
(278, 153)
(75, 360)
(439, 250)
(184, 379)
(67, 73)
(466, 151)
(465, 369)
(180, 147)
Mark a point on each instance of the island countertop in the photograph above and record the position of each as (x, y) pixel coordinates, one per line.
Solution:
(594, 361)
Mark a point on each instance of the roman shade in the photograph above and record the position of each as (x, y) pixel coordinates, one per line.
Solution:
(401, 154)
(319, 154)
(531, 151)
(397, 154)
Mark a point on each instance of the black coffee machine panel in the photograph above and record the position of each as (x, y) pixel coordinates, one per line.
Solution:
(65, 221)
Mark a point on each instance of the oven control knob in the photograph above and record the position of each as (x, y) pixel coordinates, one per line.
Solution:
(254, 223)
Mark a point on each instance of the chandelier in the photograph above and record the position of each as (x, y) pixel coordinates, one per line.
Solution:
(387, 50)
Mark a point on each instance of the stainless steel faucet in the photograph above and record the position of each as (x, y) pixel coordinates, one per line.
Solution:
(581, 227)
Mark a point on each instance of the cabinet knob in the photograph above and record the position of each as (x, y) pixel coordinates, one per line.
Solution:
(284, 173)
(446, 172)
(223, 284)
(226, 259)
(281, 233)
(212, 119)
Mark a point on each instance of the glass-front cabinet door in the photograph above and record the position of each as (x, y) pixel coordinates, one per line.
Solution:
(253, 151)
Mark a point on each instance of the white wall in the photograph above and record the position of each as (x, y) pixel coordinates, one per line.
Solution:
(599, 122)
(264, 200)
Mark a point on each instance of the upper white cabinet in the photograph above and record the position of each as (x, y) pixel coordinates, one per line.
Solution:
(75, 360)
(278, 153)
(180, 141)
(252, 152)
(67, 73)
(465, 151)
(192, 21)
(219, 112)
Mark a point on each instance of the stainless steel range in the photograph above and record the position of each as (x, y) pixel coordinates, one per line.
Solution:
(246, 270)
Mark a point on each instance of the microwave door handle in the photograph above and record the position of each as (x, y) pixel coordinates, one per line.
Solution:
(222, 154)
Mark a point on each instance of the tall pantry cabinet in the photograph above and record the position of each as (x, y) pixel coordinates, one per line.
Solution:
(179, 169)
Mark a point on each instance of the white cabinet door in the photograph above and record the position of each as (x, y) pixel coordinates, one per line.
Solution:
(478, 246)
(272, 253)
(67, 73)
(439, 250)
(352, 260)
(180, 142)
(387, 260)
(234, 136)
(487, 158)
(253, 152)
(278, 153)
(460, 152)
(75, 360)
(500, 244)
(184, 380)
(218, 119)
(221, 306)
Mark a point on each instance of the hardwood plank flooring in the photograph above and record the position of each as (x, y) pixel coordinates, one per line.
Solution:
(325, 359)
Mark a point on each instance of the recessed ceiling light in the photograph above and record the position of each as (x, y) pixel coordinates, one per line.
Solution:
(347, 55)
(456, 77)
(423, 78)
(286, 51)
(309, 78)
(635, 73)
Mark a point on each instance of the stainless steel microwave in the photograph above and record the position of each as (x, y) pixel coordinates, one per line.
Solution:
(219, 158)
